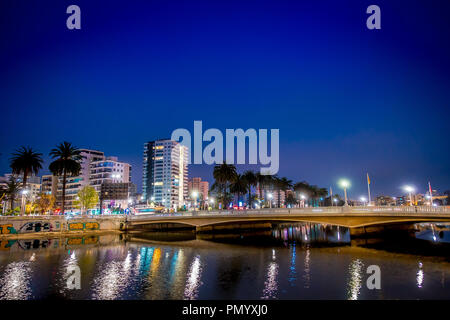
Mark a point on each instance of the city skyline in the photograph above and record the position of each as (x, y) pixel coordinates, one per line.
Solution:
(336, 187)
(347, 100)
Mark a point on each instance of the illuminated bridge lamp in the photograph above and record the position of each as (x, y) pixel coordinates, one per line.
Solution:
(410, 190)
(344, 183)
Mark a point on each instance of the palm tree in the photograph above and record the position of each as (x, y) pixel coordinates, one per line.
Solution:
(66, 163)
(260, 180)
(290, 199)
(322, 193)
(238, 186)
(11, 190)
(224, 174)
(302, 187)
(25, 161)
(251, 181)
(283, 184)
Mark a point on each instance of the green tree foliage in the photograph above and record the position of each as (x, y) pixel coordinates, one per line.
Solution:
(66, 163)
(87, 198)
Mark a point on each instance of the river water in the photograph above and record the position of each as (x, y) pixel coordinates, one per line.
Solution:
(290, 261)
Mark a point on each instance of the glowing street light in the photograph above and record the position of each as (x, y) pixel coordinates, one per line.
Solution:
(195, 196)
(270, 196)
(363, 200)
(344, 183)
(410, 190)
(303, 197)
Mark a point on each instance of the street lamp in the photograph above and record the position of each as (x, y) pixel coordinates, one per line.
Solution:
(410, 190)
(344, 183)
(363, 199)
(195, 195)
(303, 197)
(270, 196)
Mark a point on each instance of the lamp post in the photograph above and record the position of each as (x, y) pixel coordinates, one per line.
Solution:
(23, 202)
(270, 196)
(195, 195)
(344, 183)
(363, 200)
(410, 190)
(303, 197)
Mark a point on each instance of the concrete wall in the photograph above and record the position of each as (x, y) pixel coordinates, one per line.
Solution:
(45, 224)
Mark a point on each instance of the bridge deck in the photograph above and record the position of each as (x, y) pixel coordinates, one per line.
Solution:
(343, 216)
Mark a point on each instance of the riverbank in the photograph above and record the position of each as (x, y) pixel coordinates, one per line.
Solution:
(30, 227)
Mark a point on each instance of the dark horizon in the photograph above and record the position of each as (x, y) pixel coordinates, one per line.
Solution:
(347, 100)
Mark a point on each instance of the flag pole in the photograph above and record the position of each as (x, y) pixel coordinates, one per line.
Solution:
(431, 193)
(368, 187)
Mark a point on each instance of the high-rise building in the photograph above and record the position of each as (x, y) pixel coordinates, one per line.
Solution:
(110, 170)
(76, 183)
(112, 173)
(95, 170)
(165, 172)
(33, 184)
(49, 184)
(197, 185)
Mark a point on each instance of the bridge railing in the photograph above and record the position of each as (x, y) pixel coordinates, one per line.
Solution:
(316, 210)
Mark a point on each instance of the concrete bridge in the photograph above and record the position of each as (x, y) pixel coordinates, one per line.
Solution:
(350, 217)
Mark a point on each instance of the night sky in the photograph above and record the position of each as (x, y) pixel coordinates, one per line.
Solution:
(347, 100)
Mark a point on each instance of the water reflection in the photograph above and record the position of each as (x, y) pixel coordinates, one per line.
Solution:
(292, 270)
(271, 284)
(193, 282)
(15, 281)
(420, 275)
(307, 270)
(308, 233)
(354, 284)
(291, 261)
(112, 279)
(434, 232)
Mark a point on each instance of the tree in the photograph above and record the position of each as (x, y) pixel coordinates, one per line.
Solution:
(238, 186)
(45, 202)
(260, 180)
(265, 182)
(283, 184)
(30, 207)
(25, 161)
(290, 199)
(87, 198)
(224, 174)
(251, 181)
(66, 163)
(12, 189)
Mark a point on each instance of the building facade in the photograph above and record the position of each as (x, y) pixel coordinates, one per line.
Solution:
(165, 172)
(76, 183)
(96, 169)
(109, 170)
(197, 185)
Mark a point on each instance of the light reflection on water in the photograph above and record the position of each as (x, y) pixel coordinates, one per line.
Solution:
(355, 282)
(15, 281)
(320, 256)
(193, 282)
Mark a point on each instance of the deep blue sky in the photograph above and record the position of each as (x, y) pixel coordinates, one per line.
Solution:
(346, 99)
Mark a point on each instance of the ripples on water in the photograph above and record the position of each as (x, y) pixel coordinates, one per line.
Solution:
(291, 261)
